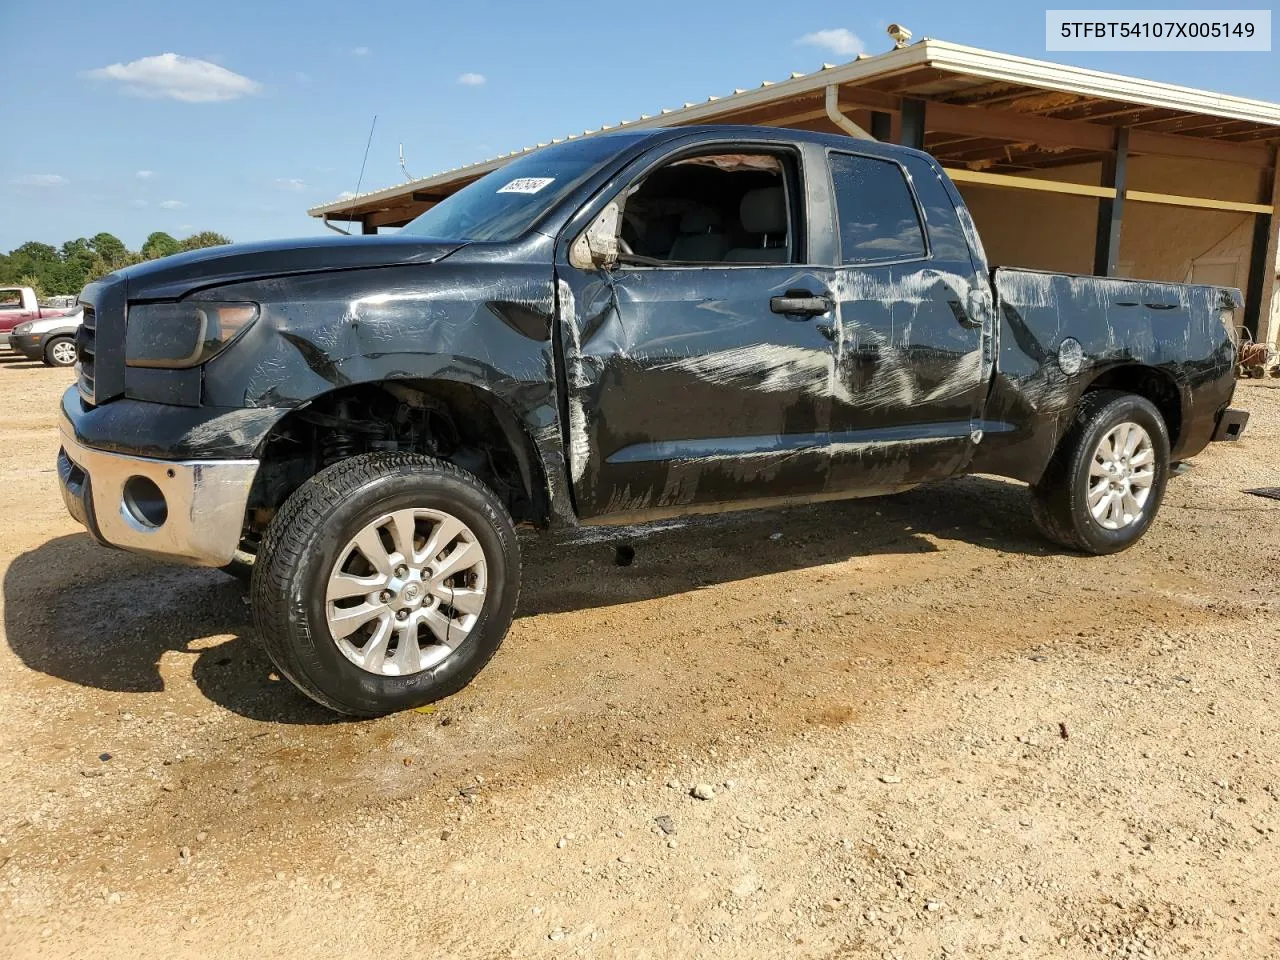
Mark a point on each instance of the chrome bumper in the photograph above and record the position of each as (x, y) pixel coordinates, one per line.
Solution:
(204, 501)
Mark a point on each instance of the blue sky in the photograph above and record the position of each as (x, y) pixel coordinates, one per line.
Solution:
(275, 118)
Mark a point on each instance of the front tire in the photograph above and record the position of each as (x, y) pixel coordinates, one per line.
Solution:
(385, 582)
(60, 352)
(1106, 481)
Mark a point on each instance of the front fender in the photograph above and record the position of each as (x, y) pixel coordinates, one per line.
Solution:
(485, 324)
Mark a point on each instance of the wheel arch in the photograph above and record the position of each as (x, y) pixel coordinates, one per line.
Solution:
(1151, 383)
(456, 420)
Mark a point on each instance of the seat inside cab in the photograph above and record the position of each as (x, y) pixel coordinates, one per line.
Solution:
(720, 208)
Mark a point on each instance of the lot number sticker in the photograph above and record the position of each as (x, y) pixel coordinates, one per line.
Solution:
(526, 185)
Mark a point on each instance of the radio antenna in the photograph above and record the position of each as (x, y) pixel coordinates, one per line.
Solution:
(367, 144)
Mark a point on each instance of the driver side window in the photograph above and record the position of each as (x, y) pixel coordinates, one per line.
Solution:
(730, 209)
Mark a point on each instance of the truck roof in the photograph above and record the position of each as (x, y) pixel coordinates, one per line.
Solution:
(758, 134)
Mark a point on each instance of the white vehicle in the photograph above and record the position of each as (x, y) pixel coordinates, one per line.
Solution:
(49, 339)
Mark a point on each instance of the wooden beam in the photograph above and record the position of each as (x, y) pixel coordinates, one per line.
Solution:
(367, 227)
(1106, 250)
(1262, 263)
(1199, 148)
(904, 82)
(1028, 183)
(961, 175)
(852, 98)
(1010, 125)
(1203, 203)
(398, 216)
(1006, 97)
(1047, 131)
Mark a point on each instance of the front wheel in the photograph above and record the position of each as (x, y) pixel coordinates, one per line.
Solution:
(60, 352)
(385, 582)
(1105, 483)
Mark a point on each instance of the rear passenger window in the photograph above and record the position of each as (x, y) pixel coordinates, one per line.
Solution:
(877, 215)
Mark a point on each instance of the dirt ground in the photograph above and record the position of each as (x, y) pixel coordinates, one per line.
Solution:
(928, 735)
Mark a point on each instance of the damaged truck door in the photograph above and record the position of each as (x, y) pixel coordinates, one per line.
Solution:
(698, 363)
(909, 384)
(631, 325)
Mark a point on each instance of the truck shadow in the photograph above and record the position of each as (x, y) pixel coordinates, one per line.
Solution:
(16, 361)
(108, 620)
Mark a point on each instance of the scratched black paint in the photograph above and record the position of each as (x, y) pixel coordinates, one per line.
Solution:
(648, 391)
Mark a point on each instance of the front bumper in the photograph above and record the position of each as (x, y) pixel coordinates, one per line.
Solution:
(30, 345)
(204, 501)
(4, 341)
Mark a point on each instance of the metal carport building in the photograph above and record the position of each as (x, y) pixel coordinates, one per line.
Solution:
(1064, 168)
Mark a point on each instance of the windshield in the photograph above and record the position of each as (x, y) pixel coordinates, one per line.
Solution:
(504, 204)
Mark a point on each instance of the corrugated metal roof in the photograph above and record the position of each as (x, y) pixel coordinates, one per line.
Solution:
(938, 54)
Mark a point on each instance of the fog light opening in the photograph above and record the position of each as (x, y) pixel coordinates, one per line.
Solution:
(144, 502)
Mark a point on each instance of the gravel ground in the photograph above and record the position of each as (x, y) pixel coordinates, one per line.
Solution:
(922, 733)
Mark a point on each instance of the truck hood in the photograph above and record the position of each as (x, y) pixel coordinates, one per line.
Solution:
(171, 278)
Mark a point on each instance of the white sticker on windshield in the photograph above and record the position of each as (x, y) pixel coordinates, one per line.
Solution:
(527, 185)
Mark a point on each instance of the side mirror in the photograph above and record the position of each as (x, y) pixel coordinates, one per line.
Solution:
(597, 246)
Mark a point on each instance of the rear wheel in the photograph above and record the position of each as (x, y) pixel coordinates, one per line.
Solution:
(60, 352)
(1105, 483)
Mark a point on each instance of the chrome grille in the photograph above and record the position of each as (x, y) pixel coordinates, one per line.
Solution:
(86, 341)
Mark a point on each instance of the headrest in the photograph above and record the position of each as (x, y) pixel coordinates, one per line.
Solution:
(764, 210)
(699, 220)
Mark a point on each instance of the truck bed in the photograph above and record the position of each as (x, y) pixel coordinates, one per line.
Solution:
(1181, 331)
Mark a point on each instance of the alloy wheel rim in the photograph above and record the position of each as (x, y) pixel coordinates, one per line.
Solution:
(1121, 475)
(64, 353)
(406, 591)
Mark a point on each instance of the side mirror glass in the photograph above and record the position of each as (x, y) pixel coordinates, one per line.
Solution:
(597, 246)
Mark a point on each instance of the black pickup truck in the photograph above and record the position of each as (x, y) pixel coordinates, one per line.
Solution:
(614, 329)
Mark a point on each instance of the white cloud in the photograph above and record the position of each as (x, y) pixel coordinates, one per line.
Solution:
(184, 227)
(346, 195)
(40, 180)
(472, 79)
(143, 174)
(302, 76)
(172, 204)
(178, 78)
(360, 52)
(289, 183)
(842, 42)
(140, 204)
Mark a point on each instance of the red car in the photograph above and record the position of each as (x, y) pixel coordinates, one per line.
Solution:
(18, 304)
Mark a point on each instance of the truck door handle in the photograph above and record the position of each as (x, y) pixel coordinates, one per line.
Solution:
(801, 303)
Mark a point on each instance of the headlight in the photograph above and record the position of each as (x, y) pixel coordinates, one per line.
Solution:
(24, 328)
(182, 335)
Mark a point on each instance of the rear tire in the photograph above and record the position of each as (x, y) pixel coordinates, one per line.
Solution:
(1106, 481)
(418, 552)
(60, 352)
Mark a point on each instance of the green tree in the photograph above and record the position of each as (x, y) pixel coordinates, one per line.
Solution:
(159, 244)
(98, 269)
(205, 238)
(66, 269)
(77, 260)
(109, 247)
